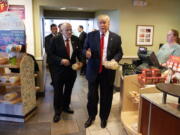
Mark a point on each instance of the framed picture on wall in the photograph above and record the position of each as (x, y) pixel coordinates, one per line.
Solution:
(144, 35)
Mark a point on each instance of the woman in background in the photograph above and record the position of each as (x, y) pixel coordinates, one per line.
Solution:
(172, 47)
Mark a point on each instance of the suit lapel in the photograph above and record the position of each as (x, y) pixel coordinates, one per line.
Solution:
(61, 41)
(98, 40)
(73, 43)
(110, 39)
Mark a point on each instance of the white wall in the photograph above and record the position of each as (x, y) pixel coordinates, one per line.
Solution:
(28, 22)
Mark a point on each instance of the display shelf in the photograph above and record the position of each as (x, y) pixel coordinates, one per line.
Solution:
(24, 105)
(14, 101)
(9, 74)
(130, 120)
(9, 66)
(10, 84)
(129, 108)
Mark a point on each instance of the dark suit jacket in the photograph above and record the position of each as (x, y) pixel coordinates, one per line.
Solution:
(114, 51)
(47, 41)
(57, 51)
(82, 38)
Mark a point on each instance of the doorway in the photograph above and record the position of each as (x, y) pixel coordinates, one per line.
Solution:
(88, 25)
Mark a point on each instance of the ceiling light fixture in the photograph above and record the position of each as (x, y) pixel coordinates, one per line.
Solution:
(63, 8)
(80, 8)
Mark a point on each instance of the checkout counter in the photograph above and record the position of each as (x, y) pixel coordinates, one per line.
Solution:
(148, 115)
(144, 113)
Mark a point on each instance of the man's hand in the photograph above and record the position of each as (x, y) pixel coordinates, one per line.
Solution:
(77, 66)
(88, 53)
(65, 62)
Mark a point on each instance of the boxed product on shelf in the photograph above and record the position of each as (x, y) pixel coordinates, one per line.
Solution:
(150, 80)
(147, 72)
(174, 63)
(156, 72)
(10, 96)
(134, 96)
(3, 60)
(9, 79)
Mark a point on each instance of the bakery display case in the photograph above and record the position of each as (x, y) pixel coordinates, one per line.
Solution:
(130, 100)
(17, 90)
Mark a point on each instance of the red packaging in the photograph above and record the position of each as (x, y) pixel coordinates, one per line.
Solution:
(140, 78)
(155, 80)
(147, 72)
(178, 69)
(146, 80)
(173, 62)
(161, 79)
(156, 72)
(175, 66)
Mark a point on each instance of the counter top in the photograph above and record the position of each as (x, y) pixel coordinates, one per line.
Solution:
(171, 89)
(171, 106)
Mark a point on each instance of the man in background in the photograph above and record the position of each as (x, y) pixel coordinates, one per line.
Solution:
(48, 39)
(82, 37)
(60, 29)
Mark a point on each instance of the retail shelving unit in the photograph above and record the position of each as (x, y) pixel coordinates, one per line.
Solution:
(24, 105)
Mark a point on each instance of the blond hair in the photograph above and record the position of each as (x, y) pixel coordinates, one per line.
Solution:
(103, 17)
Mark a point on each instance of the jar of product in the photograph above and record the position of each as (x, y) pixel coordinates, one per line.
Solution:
(12, 58)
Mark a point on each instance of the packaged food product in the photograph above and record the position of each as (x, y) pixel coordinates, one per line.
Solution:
(111, 65)
(3, 60)
(147, 72)
(77, 66)
(156, 72)
(14, 79)
(10, 96)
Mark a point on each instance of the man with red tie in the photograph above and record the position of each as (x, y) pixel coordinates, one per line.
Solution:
(101, 46)
(63, 51)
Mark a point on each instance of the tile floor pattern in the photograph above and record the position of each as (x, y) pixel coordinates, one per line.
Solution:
(41, 123)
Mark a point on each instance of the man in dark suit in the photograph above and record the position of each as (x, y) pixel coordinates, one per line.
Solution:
(63, 51)
(53, 28)
(48, 38)
(101, 46)
(82, 37)
(59, 27)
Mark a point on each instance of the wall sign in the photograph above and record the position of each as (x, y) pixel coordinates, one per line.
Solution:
(3, 5)
(12, 30)
(144, 35)
(18, 9)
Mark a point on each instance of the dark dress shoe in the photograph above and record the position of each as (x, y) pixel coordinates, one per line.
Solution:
(68, 110)
(103, 123)
(89, 122)
(56, 118)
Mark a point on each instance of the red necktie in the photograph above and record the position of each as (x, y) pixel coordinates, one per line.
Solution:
(101, 52)
(67, 47)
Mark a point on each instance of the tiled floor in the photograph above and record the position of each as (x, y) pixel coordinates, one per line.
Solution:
(42, 123)
(114, 126)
